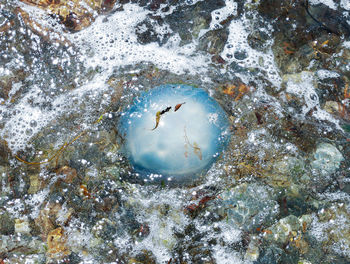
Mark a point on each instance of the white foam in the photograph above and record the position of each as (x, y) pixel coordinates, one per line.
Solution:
(323, 74)
(219, 15)
(35, 201)
(113, 43)
(27, 120)
(303, 86)
(238, 42)
(333, 230)
(223, 256)
(346, 44)
(162, 227)
(345, 4)
(15, 207)
(329, 3)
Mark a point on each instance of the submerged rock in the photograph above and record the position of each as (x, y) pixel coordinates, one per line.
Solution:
(325, 165)
(327, 159)
(7, 224)
(56, 243)
(248, 206)
(330, 226)
(174, 131)
(288, 229)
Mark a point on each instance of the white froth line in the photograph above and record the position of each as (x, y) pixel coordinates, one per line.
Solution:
(328, 3)
(121, 26)
(26, 113)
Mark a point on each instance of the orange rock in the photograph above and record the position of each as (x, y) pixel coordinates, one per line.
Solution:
(237, 91)
(56, 244)
(74, 14)
(230, 89)
(68, 172)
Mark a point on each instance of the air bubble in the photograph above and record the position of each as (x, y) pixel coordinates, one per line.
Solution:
(29, 132)
(240, 55)
(313, 97)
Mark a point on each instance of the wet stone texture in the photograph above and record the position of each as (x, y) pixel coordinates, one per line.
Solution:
(279, 192)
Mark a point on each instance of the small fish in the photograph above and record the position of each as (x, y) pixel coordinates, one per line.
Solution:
(157, 119)
(177, 107)
(158, 114)
(165, 110)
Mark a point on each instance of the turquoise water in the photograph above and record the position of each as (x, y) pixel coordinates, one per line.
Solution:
(184, 143)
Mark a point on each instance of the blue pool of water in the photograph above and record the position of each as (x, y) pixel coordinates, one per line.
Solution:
(183, 143)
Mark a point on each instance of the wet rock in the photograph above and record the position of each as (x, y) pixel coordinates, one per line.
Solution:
(290, 18)
(295, 93)
(4, 177)
(114, 172)
(274, 255)
(68, 173)
(214, 41)
(16, 182)
(44, 223)
(289, 58)
(152, 30)
(11, 89)
(329, 19)
(74, 15)
(332, 107)
(327, 159)
(299, 38)
(7, 223)
(16, 248)
(248, 206)
(288, 229)
(285, 172)
(296, 199)
(22, 226)
(51, 215)
(252, 252)
(36, 183)
(190, 20)
(144, 257)
(331, 228)
(4, 152)
(333, 90)
(164, 236)
(194, 248)
(105, 229)
(27, 50)
(258, 39)
(56, 243)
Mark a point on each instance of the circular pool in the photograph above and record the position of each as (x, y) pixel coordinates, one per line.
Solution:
(173, 132)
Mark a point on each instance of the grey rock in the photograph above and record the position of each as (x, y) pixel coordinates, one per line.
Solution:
(248, 206)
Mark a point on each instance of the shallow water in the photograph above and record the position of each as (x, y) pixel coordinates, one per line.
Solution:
(280, 191)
